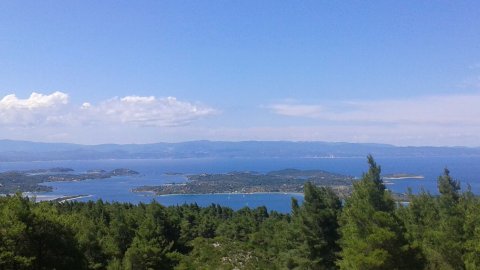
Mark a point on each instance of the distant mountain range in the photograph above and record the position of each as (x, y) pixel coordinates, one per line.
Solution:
(34, 151)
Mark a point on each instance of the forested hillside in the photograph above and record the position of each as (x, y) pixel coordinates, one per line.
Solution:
(368, 231)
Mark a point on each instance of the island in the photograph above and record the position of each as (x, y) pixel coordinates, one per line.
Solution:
(29, 180)
(284, 181)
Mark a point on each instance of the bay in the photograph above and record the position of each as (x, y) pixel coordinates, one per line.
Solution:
(153, 172)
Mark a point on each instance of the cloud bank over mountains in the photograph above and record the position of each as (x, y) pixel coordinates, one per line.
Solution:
(430, 120)
(55, 109)
(430, 110)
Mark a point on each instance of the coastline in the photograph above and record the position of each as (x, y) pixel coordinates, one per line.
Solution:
(71, 198)
(225, 193)
(404, 177)
(59, 198)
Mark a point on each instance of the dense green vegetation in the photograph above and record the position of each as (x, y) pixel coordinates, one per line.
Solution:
(368, 231)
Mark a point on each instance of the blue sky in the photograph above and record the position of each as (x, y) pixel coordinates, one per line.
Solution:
(399, 72)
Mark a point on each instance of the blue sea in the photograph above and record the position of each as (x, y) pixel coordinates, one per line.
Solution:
(155, 172)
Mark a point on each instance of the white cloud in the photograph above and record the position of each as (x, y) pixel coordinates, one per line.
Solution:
(38, 109)
(54, 109)
(138, 99)
(35, 101)
(148, 111)
(86, 105)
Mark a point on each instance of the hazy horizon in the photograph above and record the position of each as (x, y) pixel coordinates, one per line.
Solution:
(239, 141)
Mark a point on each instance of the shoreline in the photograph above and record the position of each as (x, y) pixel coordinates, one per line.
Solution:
(71, 198)
(223, 193)
(404, 177)
(50, 198)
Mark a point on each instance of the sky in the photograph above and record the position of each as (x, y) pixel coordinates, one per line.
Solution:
(92, 72)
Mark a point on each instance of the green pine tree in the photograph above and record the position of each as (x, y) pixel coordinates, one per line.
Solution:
(448, 234)
(371, 235)
(471, 256)
(318, 227)
(150, 248)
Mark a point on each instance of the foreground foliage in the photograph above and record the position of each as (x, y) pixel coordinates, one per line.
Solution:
(370, 231)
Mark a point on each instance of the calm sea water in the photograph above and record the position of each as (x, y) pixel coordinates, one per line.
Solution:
(152, 172)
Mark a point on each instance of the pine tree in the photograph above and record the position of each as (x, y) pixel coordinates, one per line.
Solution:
(52, 242)
(318, 227)
(418, 218)
(150, 248)
(471, 257)
(371, 235)
(435, 225)
(15, 217)
(448, 235)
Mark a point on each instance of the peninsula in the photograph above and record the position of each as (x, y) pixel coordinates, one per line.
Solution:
(29, 181)
(286, 181)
